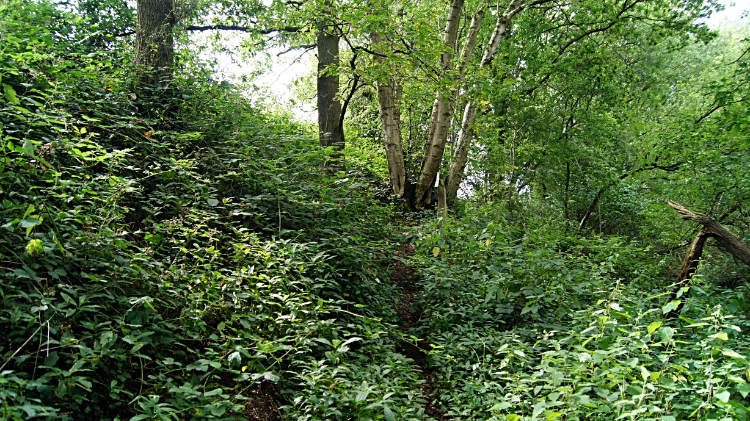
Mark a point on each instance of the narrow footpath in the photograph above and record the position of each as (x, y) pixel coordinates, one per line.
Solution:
(404, 276)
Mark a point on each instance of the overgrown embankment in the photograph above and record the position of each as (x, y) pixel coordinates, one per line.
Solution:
(195, 263)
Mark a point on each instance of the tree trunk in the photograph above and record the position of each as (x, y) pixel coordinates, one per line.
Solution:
(567, 191)
(440, 117)
(329, 106)
(461, 152)
(460, 155)
(451, 189)
(590, 209)
(390, 120)
(442, 210)
(154, 44)
(689, 265)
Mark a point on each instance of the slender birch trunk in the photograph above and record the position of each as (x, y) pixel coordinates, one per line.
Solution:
(460, 154)
(389, 95)
(440, 117)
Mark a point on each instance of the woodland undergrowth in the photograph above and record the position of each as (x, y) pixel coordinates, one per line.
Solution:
(164, 252)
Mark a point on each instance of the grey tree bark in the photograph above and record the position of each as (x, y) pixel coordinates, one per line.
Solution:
(390, 120)
(460, 154)
(440, 117)
(154, 44)
(329, 106)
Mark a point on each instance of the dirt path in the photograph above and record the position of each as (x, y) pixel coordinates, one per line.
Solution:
(266, 397)
(404, 276)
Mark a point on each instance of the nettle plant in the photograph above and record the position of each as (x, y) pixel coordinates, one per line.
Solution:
(548, 328)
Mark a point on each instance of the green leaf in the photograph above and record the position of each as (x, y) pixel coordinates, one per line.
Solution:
(350, 340)
(632, 362)
(553, 415)
(666, 333)
(213, 392)
(582, 399)
(388, 413)
(29, 211)
(271, 376)
(670, 306)
(500, 406)
(645, 373)
(682, 291)
(234, 359)
(744, 389)
(653, 326)
(10, 94)
(52, 358)
(513, 417)
(34, 247)
(212, 202)
(723, 396)
(732, 354)
(218, 410)
(28, 147)
(30, 223)
(361, 395)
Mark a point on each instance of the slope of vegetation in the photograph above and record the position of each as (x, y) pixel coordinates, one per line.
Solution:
(165, 259)
(171, 251)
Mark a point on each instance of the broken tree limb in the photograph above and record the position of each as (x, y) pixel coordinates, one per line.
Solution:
(732, 243)
(711, 229)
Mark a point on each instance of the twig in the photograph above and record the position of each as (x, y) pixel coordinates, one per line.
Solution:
(21, 347)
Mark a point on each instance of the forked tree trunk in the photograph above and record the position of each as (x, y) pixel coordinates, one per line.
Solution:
(390, 120)
(154, 44)
(711, 228)
(440, 117)
(460, 154)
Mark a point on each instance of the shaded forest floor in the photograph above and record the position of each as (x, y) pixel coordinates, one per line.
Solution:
(404, 276)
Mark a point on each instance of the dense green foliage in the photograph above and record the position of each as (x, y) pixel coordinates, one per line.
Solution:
(542, 325)
(174, 251)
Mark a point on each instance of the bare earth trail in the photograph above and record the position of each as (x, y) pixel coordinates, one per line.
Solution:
(265, 399)
(404, 276)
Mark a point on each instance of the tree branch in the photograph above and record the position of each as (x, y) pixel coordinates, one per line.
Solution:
(243, 29)
(353, 65)
(306, 47)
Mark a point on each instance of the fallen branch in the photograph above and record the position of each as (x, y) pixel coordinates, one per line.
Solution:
(711, 229)
(732, 243)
